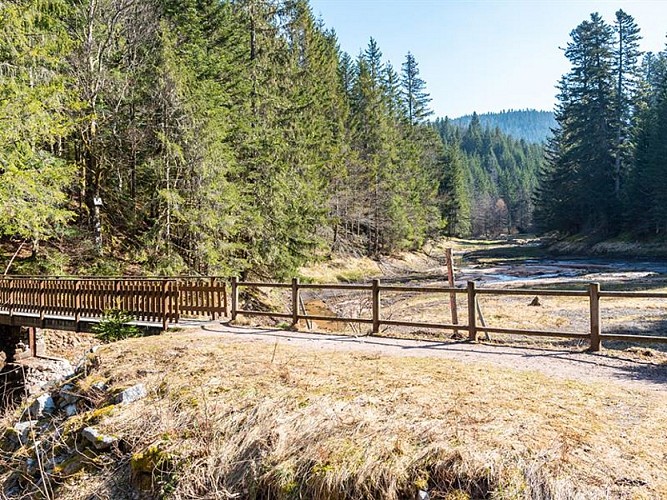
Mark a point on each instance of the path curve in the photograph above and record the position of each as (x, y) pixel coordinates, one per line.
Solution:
(581, 366)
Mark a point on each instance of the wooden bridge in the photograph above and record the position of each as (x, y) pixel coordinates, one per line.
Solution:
(76, 304)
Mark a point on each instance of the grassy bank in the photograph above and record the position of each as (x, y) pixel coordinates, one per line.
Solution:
(229, 419)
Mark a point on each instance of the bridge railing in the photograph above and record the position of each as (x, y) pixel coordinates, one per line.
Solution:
(150, 300)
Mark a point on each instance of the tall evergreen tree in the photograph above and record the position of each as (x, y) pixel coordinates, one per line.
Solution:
(577, 191)
(414, 93)
(627, 75)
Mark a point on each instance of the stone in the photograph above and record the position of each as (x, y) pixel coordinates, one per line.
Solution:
(100, 386)
(71, 410)
(43, 405)
(423, 495)
(67, 395)
(99, 441)
(132, 394)
(22, 430)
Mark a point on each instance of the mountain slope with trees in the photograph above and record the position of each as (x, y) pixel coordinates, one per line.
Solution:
(488, 179)
(530, 125)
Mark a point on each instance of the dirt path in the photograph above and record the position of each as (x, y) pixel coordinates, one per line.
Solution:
(582, 366)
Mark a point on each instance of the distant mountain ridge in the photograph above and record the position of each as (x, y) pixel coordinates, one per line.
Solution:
(529, 124)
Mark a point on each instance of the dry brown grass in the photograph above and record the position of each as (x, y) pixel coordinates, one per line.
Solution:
(228, 419)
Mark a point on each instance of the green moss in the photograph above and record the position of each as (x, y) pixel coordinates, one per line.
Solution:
(152, 470)
(78, 422)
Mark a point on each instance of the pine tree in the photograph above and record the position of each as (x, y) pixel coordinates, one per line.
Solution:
(577, 191)
(415, 98)
(627, 75)
(35, 107)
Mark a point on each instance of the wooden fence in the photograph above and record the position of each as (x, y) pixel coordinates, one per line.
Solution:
(471, 292)
(150, 300)
(161, 301)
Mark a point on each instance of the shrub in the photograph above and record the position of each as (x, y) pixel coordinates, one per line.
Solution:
(115, 325)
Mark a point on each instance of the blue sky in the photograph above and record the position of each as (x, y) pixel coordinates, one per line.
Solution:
(481, 55)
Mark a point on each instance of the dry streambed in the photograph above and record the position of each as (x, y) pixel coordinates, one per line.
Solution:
(223, 420)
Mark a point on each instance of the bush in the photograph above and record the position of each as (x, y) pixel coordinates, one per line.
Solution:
(115, 325)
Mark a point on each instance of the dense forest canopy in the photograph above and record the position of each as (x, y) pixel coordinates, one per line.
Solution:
(207, 136)
(530, 125)
(235, 137)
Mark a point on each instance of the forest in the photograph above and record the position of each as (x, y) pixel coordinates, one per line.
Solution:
(528, 124)
(606, 174)
(226, 137)
(235, 137)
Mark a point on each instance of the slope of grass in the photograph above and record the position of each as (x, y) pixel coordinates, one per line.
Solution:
(229, 419)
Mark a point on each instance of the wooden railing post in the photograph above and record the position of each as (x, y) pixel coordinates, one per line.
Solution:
(177, 300)
(11, 300)
(224, 298)
(295, 301)
(164, 298)
(214, 301)
(375, 302)
(472, 313)
(235, 297)
(594, 294)
(77, 304)
(42, 302)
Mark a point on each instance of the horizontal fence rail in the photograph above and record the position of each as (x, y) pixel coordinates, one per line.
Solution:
(471, 292)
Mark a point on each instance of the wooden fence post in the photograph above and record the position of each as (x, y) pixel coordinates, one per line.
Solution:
(472, 312)
(295, 301)
(42, 303)
(214, 296)
(224, 298)
(376, 306)
(594, 294)
(176, 300)
(77, 305)
(11, 301)
(235, 297)
(165, 313)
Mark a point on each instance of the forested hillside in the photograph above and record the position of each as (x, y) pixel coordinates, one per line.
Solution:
(488, 180)
(528, 124)
(205, 136)
(607, 168)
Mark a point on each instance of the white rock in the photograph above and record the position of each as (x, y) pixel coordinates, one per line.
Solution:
(423, 495)
(132, 394)
(22, 430)
(43, 405)
(100, 441)
(71, 410)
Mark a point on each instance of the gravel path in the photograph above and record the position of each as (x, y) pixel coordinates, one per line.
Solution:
(638, 374)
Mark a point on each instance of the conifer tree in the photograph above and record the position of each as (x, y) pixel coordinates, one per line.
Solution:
(35, 108)
(415, 98)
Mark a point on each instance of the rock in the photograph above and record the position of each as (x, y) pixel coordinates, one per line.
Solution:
(100, 441)
(71, 410)
(423, 495)
(535, 302)
(43, 405)
(132, 394)
(67, 395)
(100, 386)
(43, 372)
(22, 430)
